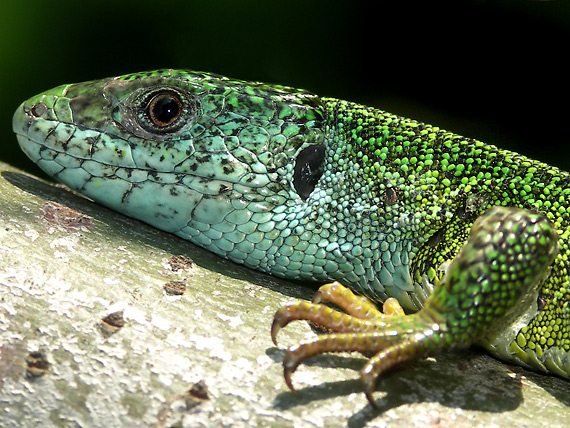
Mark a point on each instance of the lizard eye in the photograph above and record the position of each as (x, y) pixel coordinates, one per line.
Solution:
(156, 112)
(309, 168)
(164, 109)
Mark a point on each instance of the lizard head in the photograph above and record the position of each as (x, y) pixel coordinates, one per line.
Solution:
(171, 146)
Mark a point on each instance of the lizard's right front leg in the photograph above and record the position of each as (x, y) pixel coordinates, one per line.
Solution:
(506, 256)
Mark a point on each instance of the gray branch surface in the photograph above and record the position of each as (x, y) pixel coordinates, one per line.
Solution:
(203, 358)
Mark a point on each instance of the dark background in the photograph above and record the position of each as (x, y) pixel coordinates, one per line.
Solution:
(496, 70)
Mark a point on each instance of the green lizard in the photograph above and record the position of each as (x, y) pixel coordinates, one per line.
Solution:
(473, 239)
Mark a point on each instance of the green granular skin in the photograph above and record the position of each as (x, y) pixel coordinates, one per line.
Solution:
(393, 201)
(449, 181)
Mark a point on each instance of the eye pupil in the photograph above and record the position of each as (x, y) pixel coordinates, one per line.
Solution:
(164, 109)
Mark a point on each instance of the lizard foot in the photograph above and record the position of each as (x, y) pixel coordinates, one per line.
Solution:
(506, 256)
(363, 328)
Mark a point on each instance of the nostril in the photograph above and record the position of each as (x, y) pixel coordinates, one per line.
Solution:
(38, 110)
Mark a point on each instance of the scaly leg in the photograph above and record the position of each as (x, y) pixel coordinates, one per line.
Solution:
(506, 256)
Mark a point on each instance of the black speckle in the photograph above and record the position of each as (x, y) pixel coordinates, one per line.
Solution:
(175, 288)
(436, 238)
(541, 302)
(390, 196)
(36, 365)
(112, 323)
(204, 158)
(180, 262)
(196, 395)
(199, 390)
(115, 319)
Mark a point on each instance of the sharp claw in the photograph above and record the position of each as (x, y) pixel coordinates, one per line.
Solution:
(287, 375)
(280, 320)
(290, 364)
(275, 328)
(369, 385)
(369, 378)
(371, 400)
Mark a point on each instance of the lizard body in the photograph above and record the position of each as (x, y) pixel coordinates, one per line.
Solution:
(321, 189)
